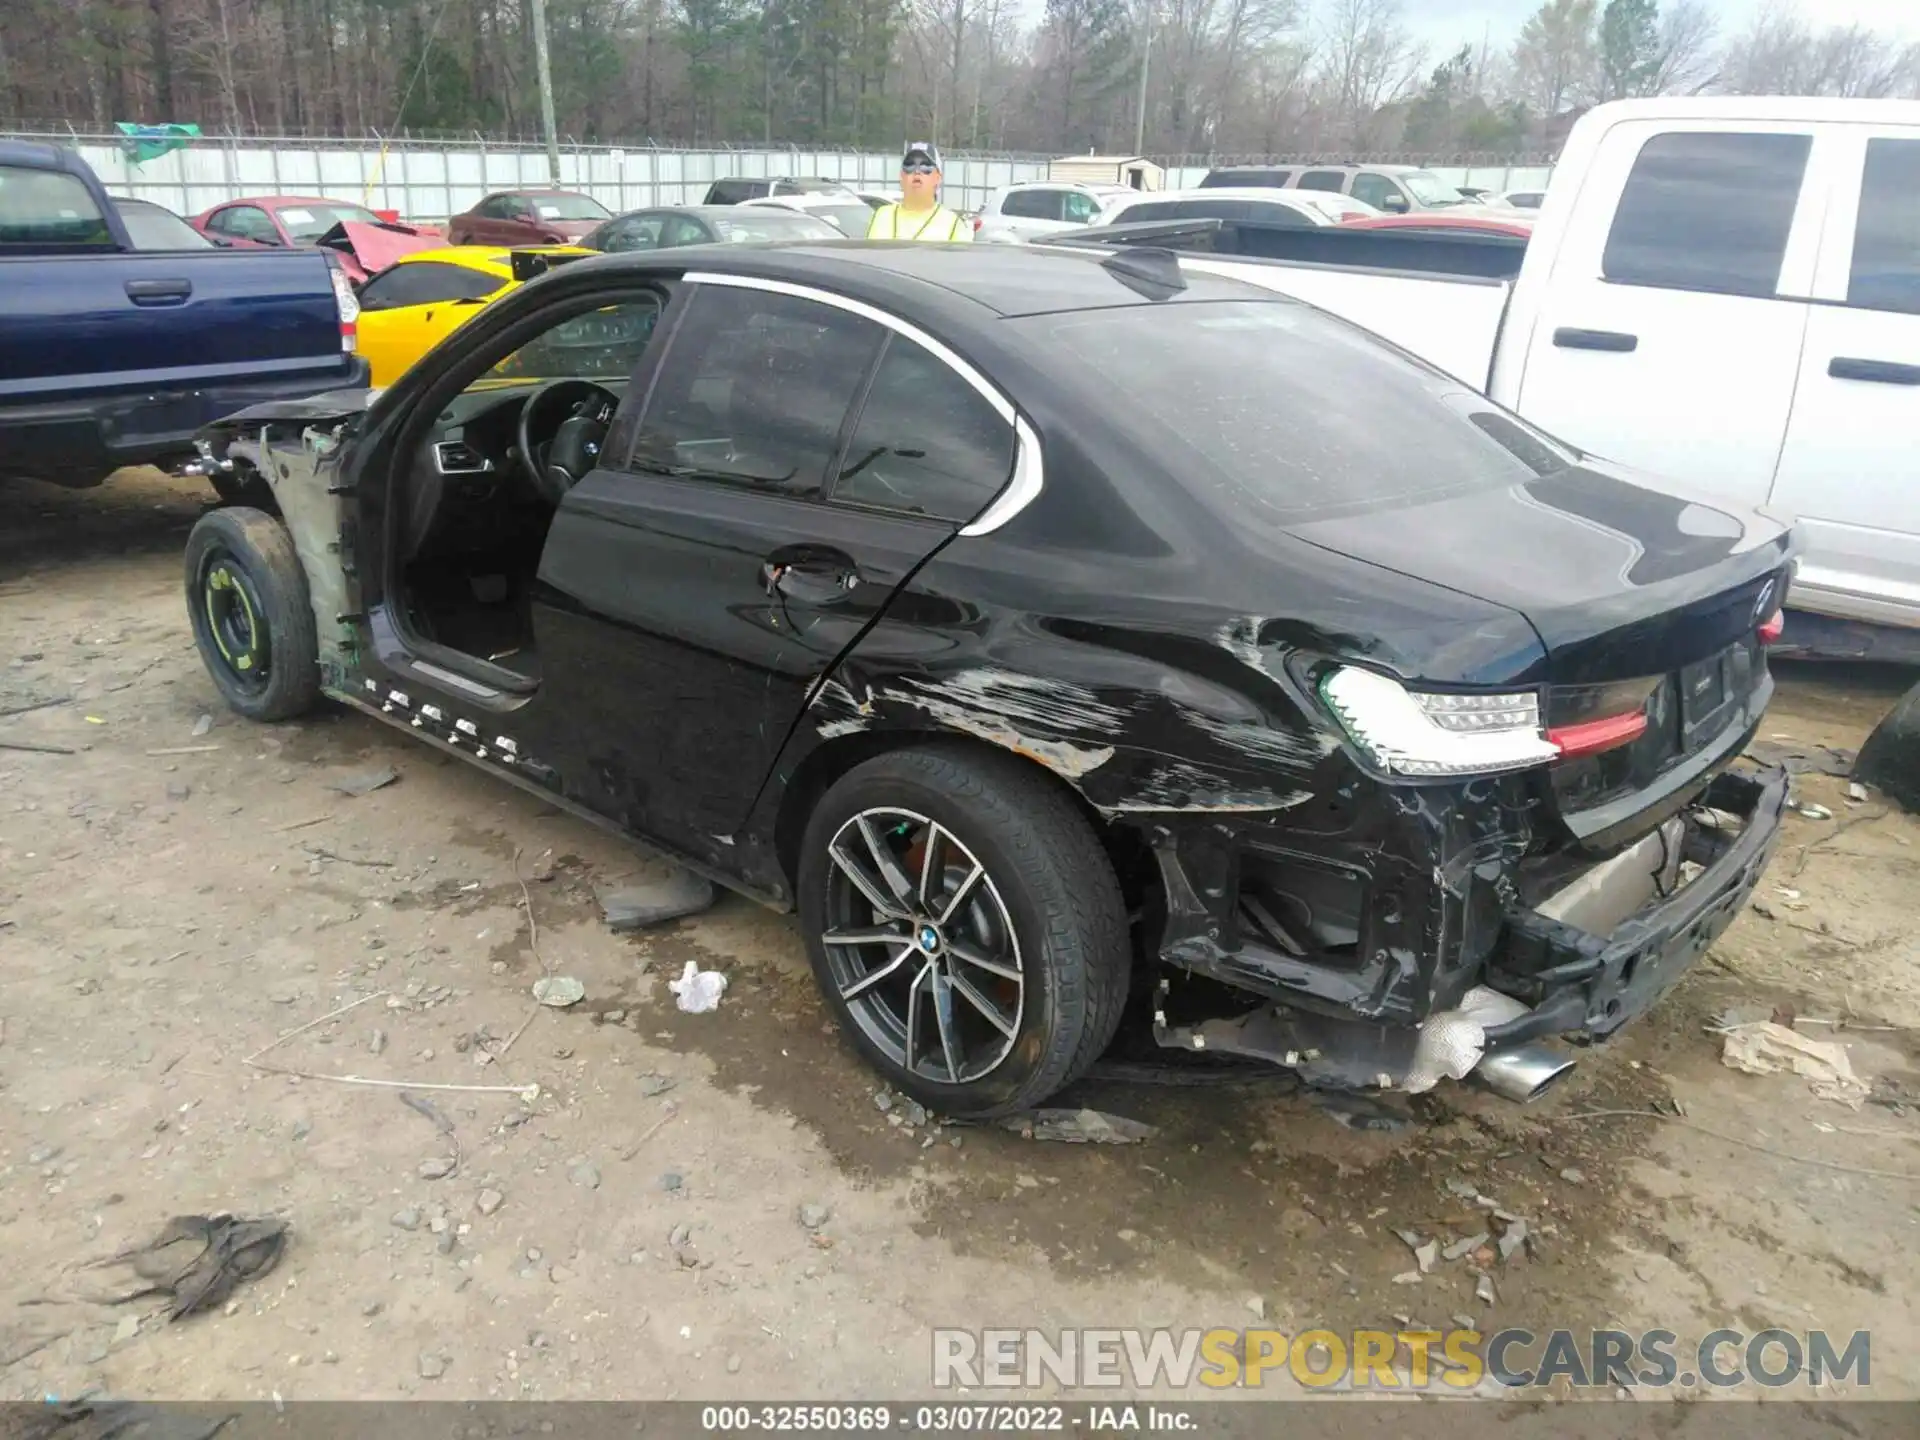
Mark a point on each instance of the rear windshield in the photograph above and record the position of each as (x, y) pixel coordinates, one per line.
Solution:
(307, 223)
(561, 206)
(1429, 189)
(1282, 414)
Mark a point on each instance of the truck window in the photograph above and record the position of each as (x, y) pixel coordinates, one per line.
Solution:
(48, 207)
(1334, 180)
(1707, 212)
(1886, 244)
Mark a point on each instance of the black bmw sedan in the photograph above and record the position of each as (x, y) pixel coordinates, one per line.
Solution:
(1047, 628)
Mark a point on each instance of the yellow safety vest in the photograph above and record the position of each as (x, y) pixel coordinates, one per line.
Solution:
(938, 223)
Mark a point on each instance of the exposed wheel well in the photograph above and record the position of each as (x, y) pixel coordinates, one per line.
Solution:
(1126, 849)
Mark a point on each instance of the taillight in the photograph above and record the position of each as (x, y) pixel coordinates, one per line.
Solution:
(1772, 628)
(976, 224)
(348, 306)
(1425, 733)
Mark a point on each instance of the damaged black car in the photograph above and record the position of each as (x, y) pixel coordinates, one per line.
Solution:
(1047, 629)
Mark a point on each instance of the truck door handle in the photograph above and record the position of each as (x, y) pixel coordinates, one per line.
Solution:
(1611, 340)
(158, 292)
(1883, 372)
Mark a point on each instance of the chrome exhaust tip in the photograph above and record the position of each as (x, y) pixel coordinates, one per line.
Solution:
(1523, 1073)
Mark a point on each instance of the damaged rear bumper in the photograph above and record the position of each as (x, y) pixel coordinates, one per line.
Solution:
(1581, 984)
(1544, 978)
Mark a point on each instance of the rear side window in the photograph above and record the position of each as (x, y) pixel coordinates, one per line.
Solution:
(1707, 212)
(927, 442)
(1031, 204)
(629, 232)
(1886, 244)
(427, 282)
(1080, 208)
(1273, 179)
(754, 390)
(1281, 414)
(1334, 180)
(47, 207)
(732, 192)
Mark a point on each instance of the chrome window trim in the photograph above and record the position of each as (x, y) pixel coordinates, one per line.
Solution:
(1029, 475)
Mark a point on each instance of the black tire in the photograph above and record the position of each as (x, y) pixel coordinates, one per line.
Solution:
(244, 485)
(1048, 877)
(247, 598)
(1890, 759)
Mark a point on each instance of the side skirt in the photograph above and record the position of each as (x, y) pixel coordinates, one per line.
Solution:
(406, 724)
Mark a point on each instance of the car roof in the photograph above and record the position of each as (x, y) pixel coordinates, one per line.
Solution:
(274, 201)
(911, 278)
(1277, 194)
(714, 212)
(493, 259)
(535, 190)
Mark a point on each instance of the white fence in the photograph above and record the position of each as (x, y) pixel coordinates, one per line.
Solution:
(432, 181)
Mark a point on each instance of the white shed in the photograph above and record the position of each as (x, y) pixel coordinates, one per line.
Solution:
(1134, 170)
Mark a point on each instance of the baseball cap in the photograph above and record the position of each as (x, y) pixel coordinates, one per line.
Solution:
(920, 152)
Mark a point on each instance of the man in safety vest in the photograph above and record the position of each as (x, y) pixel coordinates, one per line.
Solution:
(918, 215)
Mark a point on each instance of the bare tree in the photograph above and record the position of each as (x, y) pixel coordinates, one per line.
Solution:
(1556, 59)
(1368, 61)
(1687, 63)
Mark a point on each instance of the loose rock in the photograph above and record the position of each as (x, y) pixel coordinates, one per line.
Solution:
(377, 1042)
(432, 1367)
(1424, 1255)
(1514, 1239)
(488, 1201)
(438, 1168)
(1484, 1290)
(585, 1174)
(733, 1364)
(652, 1085)
(1573, 1176)
(883, 1102)
(1464, 1247)
(813, 1217)
(407, 1219)
(679, 1236)
(1258, 1306)
(671, 1181)
(445, 1243)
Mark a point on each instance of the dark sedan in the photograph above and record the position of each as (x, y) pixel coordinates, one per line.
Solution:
(673, 226)
(1047, 627)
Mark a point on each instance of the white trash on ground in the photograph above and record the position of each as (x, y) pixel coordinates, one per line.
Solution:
(697, 990)
(1767, 1048)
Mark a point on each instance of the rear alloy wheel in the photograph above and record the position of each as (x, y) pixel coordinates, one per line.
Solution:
(253, 623)
(966, 927)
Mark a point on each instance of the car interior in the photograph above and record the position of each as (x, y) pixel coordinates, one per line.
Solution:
(473, 509)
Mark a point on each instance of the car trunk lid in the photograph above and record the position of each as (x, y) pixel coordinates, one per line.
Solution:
(1649, 606)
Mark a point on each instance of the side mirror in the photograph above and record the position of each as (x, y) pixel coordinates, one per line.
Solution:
(1396, 204)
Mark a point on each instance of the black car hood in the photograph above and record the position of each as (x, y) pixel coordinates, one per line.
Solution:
(1611, 568)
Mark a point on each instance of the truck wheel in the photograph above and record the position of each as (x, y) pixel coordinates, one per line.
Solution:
(965, 927)
(247, 596)
(1890, 760)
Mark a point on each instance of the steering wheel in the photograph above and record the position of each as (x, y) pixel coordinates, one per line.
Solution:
(573, 448)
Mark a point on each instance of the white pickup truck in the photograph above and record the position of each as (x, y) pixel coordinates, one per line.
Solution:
(1725, 291)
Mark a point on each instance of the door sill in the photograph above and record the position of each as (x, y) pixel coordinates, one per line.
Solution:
(467, 673)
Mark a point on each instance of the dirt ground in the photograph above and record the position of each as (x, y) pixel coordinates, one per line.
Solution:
(163, 916)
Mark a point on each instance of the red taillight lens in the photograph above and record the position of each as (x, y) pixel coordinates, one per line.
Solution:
(976, 224)
(1591, 737)
(1773, 627)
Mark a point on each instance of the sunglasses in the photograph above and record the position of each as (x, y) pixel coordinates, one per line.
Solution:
(919, 168)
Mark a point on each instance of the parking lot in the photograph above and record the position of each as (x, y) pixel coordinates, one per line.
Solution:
(714, 1205)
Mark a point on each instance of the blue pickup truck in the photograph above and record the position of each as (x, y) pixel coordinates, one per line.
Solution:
(113, 353)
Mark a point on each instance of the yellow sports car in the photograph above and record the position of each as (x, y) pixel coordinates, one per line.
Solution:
(413, 305)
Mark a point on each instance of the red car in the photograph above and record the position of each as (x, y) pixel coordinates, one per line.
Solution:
(366, 243)
(1435, 222)
(528, 217)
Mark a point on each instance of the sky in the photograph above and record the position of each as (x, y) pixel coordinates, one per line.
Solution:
(1449, 22)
